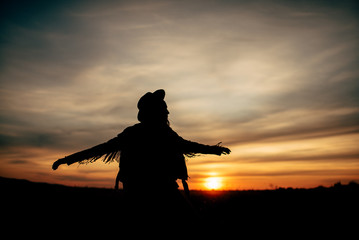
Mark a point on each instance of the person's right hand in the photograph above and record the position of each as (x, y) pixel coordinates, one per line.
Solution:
(57, 163)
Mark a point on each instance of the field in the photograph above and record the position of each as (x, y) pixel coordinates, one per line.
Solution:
(39, 206)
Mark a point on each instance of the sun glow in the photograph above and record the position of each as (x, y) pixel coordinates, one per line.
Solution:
(213, 183)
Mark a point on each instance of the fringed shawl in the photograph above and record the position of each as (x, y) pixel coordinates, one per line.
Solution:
(108, 151)
(136, 161)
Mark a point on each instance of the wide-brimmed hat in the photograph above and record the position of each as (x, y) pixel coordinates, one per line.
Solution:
(150, 99)
(151, 103)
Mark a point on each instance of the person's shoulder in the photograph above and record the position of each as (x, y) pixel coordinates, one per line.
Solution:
(132, 129)
(173, 133)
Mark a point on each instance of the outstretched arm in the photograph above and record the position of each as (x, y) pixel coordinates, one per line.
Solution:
(110, 149)
(193, 147)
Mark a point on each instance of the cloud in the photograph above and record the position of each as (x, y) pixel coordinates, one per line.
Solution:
(298, 124)
(21, 162)
(82, 179)
(284, 173)
(237, 72)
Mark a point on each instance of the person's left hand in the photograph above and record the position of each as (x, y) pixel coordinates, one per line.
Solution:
(219, 150)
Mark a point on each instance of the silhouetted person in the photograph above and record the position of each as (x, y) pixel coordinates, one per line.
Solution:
(151, 154)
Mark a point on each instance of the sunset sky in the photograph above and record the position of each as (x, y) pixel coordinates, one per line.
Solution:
(275, 81)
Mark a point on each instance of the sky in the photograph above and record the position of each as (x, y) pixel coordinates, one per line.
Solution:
(275, 81)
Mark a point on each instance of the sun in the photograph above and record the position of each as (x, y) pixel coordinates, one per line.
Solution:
(213, 183)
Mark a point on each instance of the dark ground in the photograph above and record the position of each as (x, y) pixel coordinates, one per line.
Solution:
(35, 208)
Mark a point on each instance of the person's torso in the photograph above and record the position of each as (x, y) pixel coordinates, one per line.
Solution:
(151, 153)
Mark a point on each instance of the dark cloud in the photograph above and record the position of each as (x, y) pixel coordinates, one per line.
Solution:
(293, 157)
(317, 125)
(34, 139)
(240, 72)
(287, 173)
(21, 162)
(82, 179)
